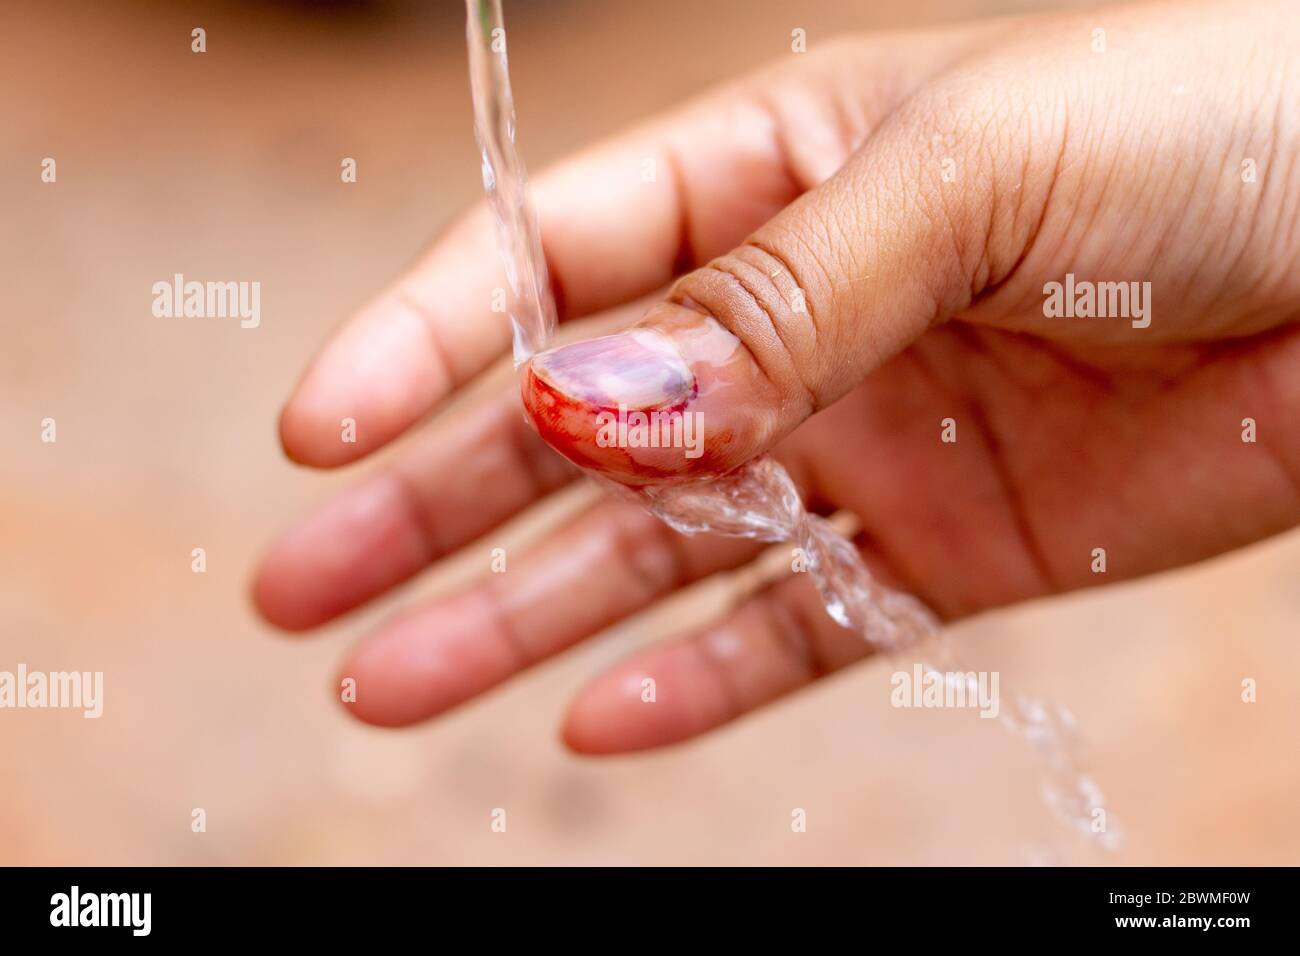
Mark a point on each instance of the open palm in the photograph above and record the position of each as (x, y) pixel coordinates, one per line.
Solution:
(989, 451)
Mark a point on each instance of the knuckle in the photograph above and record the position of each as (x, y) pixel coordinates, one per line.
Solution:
(756, 291)
(647, 549)
(992, 150)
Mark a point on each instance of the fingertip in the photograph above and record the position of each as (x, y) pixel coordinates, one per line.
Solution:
(583, 731)
(371, 688)
(610, 717)
(653, 700)
(294, 435)
(375, 378)
(370, 707)
(427, 661)
(355, 546)
(278, 605)
(315, 438)
(580, 730)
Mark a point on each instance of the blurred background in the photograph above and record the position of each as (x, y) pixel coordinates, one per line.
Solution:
(226, 165)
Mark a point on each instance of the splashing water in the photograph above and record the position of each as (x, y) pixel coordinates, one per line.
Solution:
(758, 500)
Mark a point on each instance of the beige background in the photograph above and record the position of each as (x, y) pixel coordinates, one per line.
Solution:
(227, 165)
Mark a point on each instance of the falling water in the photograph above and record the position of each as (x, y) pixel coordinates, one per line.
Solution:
(759, 500)
(532, 309)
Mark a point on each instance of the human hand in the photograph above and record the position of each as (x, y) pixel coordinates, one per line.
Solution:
(917, 191)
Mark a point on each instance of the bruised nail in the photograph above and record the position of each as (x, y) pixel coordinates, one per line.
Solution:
(640, 369)
(676, 395)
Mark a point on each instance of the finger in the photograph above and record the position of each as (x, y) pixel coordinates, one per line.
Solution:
(463, 479)
(613, 561)
(617, 221)
(474, 469)
(776, 642)
(815, 299)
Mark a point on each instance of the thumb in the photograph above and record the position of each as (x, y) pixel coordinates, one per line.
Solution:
(747, 347)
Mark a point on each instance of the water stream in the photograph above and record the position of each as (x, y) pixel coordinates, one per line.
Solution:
(759, 500)
(505, 181)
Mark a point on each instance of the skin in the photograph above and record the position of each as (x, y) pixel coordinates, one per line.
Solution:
(924, 302)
